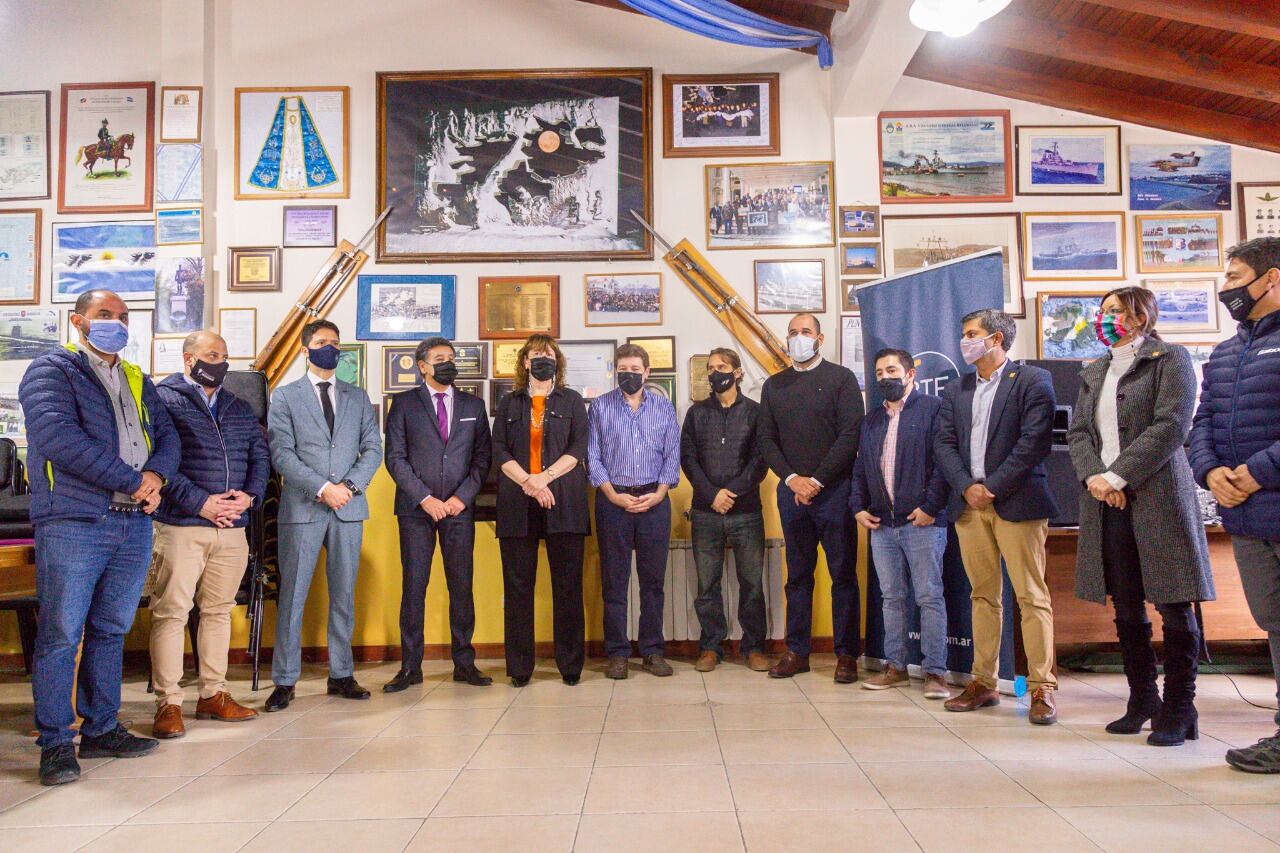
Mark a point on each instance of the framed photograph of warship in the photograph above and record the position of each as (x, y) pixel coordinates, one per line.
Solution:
(107, 148)
(708, 115)
(770, 206)
(514, 165)
(1074, 246)
(1179, 177)
(785, 287)
(912, 242)
(1068, 159)
(1185, 304)
(1179, 242)
(516, 306)
(292, 142)
(405, 307)
(947, 156)
(861, 259)
(24, 145)
(1065, 325)
(1258, 209)
(623, 299)
(860, 221)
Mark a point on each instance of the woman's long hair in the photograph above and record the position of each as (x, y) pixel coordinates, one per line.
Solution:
(536, 343)
(1138, 302)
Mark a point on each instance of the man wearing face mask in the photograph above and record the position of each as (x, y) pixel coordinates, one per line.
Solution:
(100, 445)
(324, 441)
(438, 452)
(1235, 448)
(200, 546)
(810, 416)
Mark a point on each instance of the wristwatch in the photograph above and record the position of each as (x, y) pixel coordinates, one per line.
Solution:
(354, 489)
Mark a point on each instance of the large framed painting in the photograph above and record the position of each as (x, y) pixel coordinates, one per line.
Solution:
(1068, 160)
(1074, 246)
(949, 156)
(115, 255)
(106, 147)
(405, 307)
(1185, 304)
(292, 143)
(514, 165)
(1258, 209)
(913, 242)
(770, 206)
(623, 299)
(1179, 177)
(24, 145)
(1179, 242)
(1066, 325)
(730, 115)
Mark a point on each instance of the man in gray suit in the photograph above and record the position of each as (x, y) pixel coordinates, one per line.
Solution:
(325, 443)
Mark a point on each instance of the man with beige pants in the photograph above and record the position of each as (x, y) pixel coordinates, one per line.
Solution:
(200, 546)
(995, 432)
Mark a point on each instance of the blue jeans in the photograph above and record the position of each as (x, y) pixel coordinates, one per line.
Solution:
(912, 555)
(89, 577)
(744, 532)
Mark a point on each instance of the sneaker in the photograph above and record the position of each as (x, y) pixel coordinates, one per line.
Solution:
(116, 744)
(891, 676)
(657, 665)
(58, 765)
(617, 667)
(1262, 757)
(935, 687)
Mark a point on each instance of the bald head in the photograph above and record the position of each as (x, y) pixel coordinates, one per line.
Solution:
(92, 301)
(203, 339)
(804, 322)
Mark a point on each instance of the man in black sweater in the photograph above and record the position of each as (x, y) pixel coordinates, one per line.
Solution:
(810, 418)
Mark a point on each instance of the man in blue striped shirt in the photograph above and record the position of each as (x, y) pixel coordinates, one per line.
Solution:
(633, 458)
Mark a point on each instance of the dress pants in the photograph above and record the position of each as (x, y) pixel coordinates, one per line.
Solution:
(1259, 564)
(519, 572)
(744, 532)
(985, 538)
(647, 535)
(417, 548)
(829, 522)
(300, 546)
(1122, 568)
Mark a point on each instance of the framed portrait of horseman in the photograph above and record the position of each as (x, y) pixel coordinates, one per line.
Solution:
(106, 147)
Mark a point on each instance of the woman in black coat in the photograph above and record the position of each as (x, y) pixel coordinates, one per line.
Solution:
(540, 443)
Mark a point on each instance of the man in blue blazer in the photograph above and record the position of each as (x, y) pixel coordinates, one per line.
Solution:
(438, 452)
(995, 433)
(325, 444)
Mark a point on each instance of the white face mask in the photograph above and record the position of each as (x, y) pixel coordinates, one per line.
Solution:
(802, 348)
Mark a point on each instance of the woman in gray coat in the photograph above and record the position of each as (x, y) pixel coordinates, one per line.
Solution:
(1127, 434)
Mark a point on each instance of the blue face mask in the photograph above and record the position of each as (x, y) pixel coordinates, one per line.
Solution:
(109, 336)
(325, 358)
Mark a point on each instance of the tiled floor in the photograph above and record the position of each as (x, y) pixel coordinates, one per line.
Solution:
(723, 761)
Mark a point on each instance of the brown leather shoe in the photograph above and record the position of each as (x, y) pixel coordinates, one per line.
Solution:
(168, 722)
(891, 676)
(707, 661)
(757, 662)
(617, 668)
(846, 669)
(223, 708)
(935, 687)
(976, 695)
(1044, 711)
(789, 664)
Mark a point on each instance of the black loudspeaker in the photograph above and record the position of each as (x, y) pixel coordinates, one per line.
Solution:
(250, 386)
(1064, 486)
(1066, 377)
(1061, 475)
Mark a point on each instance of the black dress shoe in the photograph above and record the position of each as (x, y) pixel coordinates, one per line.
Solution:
(58, 765)
(347, 688)
(472, 676)
(280, 698)
(402, 681)
(116, 744)
(519, 680)
(571, 679)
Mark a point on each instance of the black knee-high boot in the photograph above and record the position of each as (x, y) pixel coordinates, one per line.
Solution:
(1140, 669)
(1178, 721)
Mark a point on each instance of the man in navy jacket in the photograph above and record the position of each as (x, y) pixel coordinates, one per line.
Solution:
(899, 494)
(99, 447)
(200, 545)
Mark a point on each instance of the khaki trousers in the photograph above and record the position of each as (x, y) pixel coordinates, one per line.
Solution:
(203, 565)
(985, 537)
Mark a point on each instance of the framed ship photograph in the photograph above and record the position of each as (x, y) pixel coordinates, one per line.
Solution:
(623, 299)
(1074, 246)
(861, 259)
(913, 242)
(1068, 159)
(947, 156)
(785, 287)
(25, 172)
(1259, 209)
(514, 165)
(106, 148)
(1179, 242)
(1065, 325)
(770, 206)
(292, 143)
(519, 306)
(730, 115)
(1185, 304)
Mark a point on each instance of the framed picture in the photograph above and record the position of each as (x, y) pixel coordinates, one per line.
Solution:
(623, 299)
(1074, 246)
(137, 351)
(239, 328)
(472, 359)
(28, 332)
(519, 306)
(1179, 177)
(180, 293)
(106, 147)
(179, 226)
(1259, 210)
(699, 384)
(399, 370)
(118, 255)
(405, 307)
(1065, 325)
(709, 115)
(912, 242)
(1180, 242)
(254, 268)
(861, 259)
(661, 350)
(1068, 159)
(351, 364)
(848, 294)
(852, 354)
(947, 156)
(179, 173)
(663, 386)
(588, 366)
(309, 226)
(474, 387)
(770, 206)
(166, 354)
(180, 119)
(860, 221)
(292, 143)
(1185, 304)
(20, 256)
(785, 287)
(24, 146)
(499, 388)
(514, 165)
(504, 358)
(1200, 352)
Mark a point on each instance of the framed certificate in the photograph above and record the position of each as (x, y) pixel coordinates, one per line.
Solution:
(308, 226)
(504, 358)
(239, 328)
(661, 350)
(180, 113)
(699, 385)
(20, 257)
(255, 268)
(166, 354)
(588, 366)
(399, 371)
(519, 306)
(24, 145)
(472, 359)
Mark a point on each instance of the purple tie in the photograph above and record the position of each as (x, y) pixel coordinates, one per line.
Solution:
(442, 417)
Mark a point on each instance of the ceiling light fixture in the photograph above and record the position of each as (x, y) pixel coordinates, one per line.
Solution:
(954, 17)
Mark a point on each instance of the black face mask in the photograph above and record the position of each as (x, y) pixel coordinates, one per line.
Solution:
(630, 383)
(542, 368)
(892, 390)
(1239, 301)
(721, 381)
(445, 372)
(209, 375)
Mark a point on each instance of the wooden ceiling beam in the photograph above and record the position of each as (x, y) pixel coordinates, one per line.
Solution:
(972, 71)
(833, 5)
(1260, 18)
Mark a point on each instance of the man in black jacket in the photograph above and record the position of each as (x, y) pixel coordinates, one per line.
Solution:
(200, 546)
(438, 452)
(721, 458)
(810, 416)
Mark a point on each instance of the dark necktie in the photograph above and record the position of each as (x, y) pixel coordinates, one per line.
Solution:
(442, 418)
(327, 404)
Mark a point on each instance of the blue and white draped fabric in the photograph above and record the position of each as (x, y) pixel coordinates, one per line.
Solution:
(293, 159)
(722, 20)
